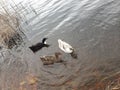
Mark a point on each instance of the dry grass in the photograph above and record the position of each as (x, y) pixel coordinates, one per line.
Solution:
(114, 85)
(7, 25)
(111, 83)
(8, 28)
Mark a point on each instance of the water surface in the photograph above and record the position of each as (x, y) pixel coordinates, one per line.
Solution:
(90, 26)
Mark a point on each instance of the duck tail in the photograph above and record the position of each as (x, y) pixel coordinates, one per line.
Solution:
(46, 45)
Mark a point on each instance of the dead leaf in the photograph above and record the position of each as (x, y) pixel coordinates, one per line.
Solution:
(116, 88)
(22, 83)
(32, 80)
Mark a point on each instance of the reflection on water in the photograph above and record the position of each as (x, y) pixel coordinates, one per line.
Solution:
(90, 26)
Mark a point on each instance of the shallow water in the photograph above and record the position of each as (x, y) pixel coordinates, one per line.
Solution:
(90, 26)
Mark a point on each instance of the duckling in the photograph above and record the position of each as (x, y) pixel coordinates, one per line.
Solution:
(67, 48)
(39, 45)
(47, 60)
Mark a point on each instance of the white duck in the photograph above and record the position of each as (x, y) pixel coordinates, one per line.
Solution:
(67, 48)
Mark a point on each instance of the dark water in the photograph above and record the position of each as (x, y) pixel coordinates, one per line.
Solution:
(92, 27)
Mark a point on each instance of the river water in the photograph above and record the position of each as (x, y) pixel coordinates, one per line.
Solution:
(92, 27)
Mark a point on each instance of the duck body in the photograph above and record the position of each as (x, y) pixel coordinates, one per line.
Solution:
(39, 45)
(67, 48)
(47, 60)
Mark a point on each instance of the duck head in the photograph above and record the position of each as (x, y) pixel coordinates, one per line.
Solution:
(44, 40)
(57, 54)
(58, 57)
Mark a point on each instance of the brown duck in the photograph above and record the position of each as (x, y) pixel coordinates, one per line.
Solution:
(47, 60)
